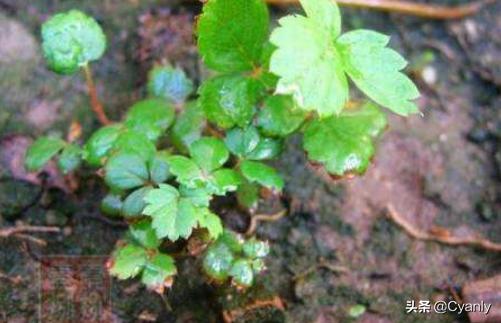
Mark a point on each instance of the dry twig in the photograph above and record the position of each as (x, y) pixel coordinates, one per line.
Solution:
(263, 218)
(441, 235)
(408, 8)
(22, 230)
(322, 263)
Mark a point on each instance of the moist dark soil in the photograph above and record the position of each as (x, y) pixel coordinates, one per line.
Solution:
(336, 250)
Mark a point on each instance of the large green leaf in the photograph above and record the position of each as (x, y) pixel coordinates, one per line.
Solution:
(209, 153)
(159, 167)
(230, 100)
(124, 171)
(375, 69)
(157, 271)
(128, 261)
(188, 126)
(306, 60)
(97, 148)
(150, 117)
(41, 151)
(262, 174)
(242, 142)
(169, 83)
(231, 34)
(211, 222)
(343, 144)
(70, 40)
(173, 217)
(133, 142)
(223, 181)
(267, 148)
(278, 117)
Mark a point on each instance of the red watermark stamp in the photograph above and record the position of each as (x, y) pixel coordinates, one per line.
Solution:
(75, 289)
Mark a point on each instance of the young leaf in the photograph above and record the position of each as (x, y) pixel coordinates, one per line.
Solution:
(71, 40)
(124, 171)
(218, 261)
(172, 217)
(70, 158)
(128, 261)
(112, 204)
(279, 117)
(307, 62)
(254, 248)
(134, 204)
(159, 167)
(157, 271)
(186, 171)
(230, 100)
(375, 69)
(242, 141)
(41, 151)
(143, 233)
(169, 83)
(209, 153)
(188, 127)
(210, 221)
(223, 181)
(100, 144)
(267, 148)
(231, 34)
(344, 143)
(151, 117)
(242, 273)
(262, 174)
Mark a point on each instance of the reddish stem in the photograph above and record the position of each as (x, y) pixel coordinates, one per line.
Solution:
(96, 105)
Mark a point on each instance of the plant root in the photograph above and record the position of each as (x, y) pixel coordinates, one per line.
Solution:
(255, 219)
(408, 8)
(96, 105)
(229, 316)
(21, 231)
(439, 234)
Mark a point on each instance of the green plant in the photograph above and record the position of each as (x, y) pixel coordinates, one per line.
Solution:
(262, 91)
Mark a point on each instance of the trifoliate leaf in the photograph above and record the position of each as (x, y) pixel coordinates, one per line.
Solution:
(248, 195)
(188, 126)
(375, 69)
(172, 217)
(267, 148)
(254, 248)
(278, 117)
(242, 141)
(209, 153)
(241, 272)
(100, 144)
(143, 233)
(70, 158)
(230, 100)
(231, 34)
(307, 62)
(159, 167)
(262, 174)
(157, 271)
(112, 204)
(132, 142)
(343, 144)
(218, 261)
(186, 171)
(223, 181)
(124, 171)
(41, 151)
(211, 222)
(128, 261)
(70, 40)
(134, 204)
(169, 83)
(151, 117)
